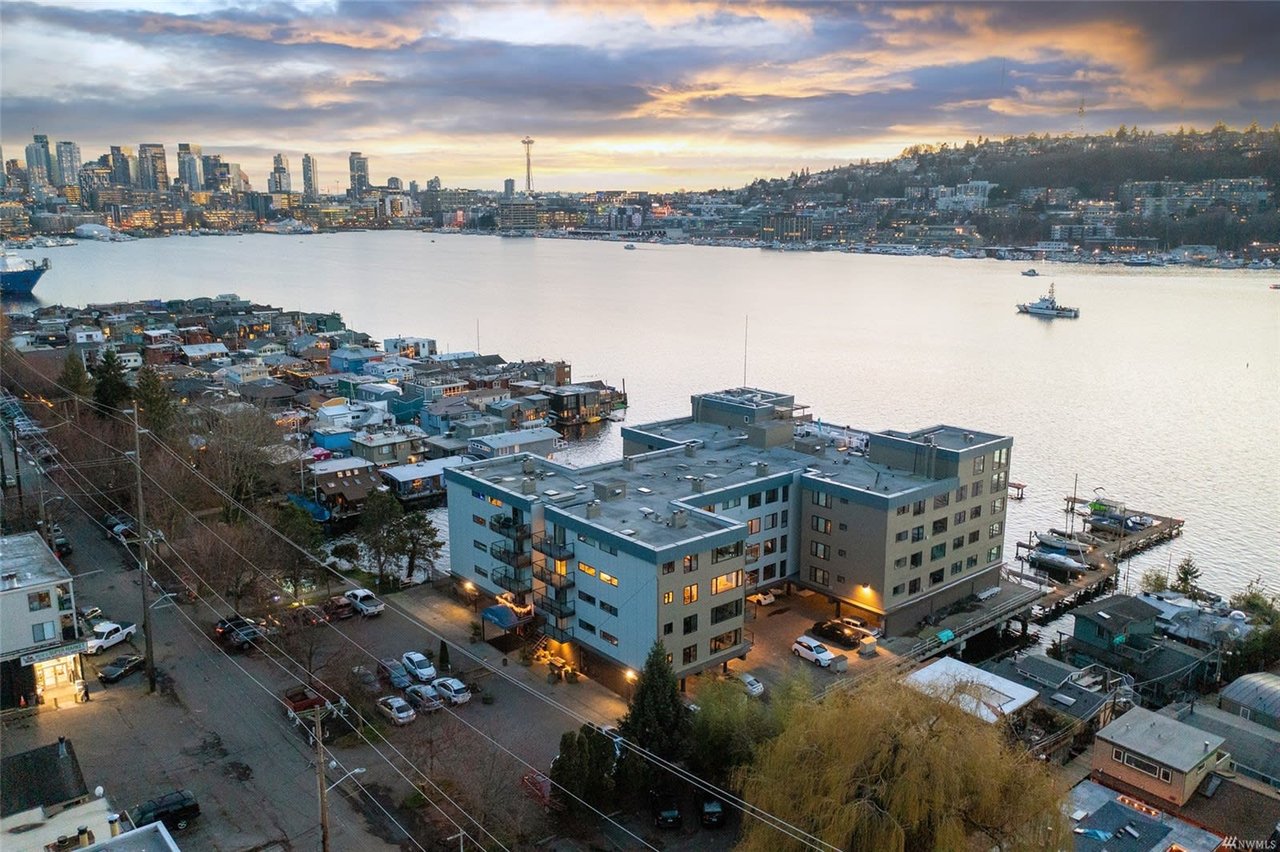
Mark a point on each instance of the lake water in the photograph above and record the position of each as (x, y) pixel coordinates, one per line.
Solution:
(1166, 391)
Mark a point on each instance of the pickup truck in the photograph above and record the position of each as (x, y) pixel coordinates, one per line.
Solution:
(365, 602)
(109, 633)
(300, 699)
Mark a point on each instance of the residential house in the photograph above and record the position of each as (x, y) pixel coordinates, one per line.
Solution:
(420, 481)
(239, 374)
(1183, 619)
(341, 412)
(1255, 697)
(1103, 820)
(351, 359)
(1160, 758)
(267, 393)
(410, 347)
(194, 354)
(978, 692)
(343, 485)
(40, 642)
(539, 441)
(401, 445)
(1254, 748)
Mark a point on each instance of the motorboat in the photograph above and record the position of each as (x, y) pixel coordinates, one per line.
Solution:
(1031, 273)
(1058, 542)
(630, 247)
(1047, 306)
(1056, 561)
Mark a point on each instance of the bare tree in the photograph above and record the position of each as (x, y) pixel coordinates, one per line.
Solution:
(236, 455)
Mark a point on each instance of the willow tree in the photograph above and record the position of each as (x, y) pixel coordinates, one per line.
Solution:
(888, 768)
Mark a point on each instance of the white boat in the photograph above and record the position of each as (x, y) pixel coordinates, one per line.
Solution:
(1047, 306)
(1057, 542)
(1057, 561)
(1030, 273)
(630, 247)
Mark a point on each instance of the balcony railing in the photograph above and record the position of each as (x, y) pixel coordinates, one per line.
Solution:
(556, 607)
(560, 634)
(551, 578)
(505, 525)
(502, 552)
(551, 548)
(513, 579)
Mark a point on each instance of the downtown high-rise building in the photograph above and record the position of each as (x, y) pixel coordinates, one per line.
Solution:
(310, 179)
(217, 178)
(191, 166)
(39, 162)
(66, 164)
(153, 169)
(279, 179)
(508, 187)
(358, 165)
(124, 166)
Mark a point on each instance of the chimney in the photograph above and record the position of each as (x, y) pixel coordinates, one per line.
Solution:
(593, 509)
(1206, 745)
(690, 449)
(527, 466)
(762, 468)
(699, 485)
(527, 485)
(62, 746)
(628, 463)
(83, 836)
(679, 518)
(113, 820)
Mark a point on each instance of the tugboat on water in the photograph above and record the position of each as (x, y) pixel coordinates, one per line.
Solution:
(18, 275)
(1047, 306)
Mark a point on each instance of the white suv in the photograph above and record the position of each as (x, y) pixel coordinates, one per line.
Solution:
(813, 651)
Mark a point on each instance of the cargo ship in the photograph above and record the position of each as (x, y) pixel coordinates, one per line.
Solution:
(18, 275)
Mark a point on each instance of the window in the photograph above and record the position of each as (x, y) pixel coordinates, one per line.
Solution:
(771, 520)
(975, 512)
(957, 542)
(900, 562)
(995, 529)
(770, 546)
(728, 551)
(899, 589)
(935, 577)
(975, 536)
(903, 509)
(820, 550)
(782, 543)
(917, 559)
(962, 493)
(993, 555)
(588, 598)
(937, 552)
(770, 571)
(979, 465)
(753, 501)
(586, 569)
(493, 501)
(476, 519)
(481, 571)
(820, 576)
(917, 533)
(786, 493)
(844, 528)
(997, 505)
(999, 481)
(691, 563)
(609, 608)
(783, 519)
(726, 611)
(690, 624)
(942, 501)
(44, 632)
(1000, 460)
(726, 582)
(913, 586)
(609, 637)
(959, 517)
(820, 524)
(771, 496)
(977, 488)
(732, 504)
(753, 526)
(480, 545)
(917, 508)
(608, 578)
(37, 601)
(971, 562)
(939, 526)
(753, 553)
(587, 626)
(668, 628)
(691, 593)
(690, 654)
(668, 567)
(901, 536)
(1144, 766)
(956, 567)
(668, 597)
(725, 641)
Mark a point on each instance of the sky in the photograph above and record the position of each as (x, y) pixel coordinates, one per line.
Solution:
(617, 95)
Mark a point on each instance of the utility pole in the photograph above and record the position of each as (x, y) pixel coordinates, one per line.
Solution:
(321, 789)
(17, 468)
(144, 546)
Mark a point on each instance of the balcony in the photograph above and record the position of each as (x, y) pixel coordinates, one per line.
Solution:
(505, 525)
(502, 552)
(560, 634)
(553, 579)
(551, 548)
(556, 607)
(513, 579)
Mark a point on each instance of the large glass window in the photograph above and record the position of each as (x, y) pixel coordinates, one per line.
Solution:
(44, 632)
(937, 552)
(728, 551)
(690, 654)
(821, 499)
(821, 576)
(691, 563)
(753, 526)
(690, 624)
(821, 524)
(726, 611)
(37, 601)
(726, 582)
(820, 550)
(691, 593)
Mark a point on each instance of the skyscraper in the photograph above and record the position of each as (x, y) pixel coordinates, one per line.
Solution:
(39, 163)
(279, 180)
(359, 168)
(66, 165)
(310, 178)
(509, 187)
(124, 168)
(191, 166)
(153, 169)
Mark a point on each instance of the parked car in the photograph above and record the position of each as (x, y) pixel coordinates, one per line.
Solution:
(110, 521)
(295, 617)
(751, 684)
(452, 690)
(245, 636)
(423, 698)
(365, 679)
(120, 667)
(712, 812)
(841, 634)
(418, 666)
(666, 809)
(10, 481)
(861, 624)
(396, 709)
(813, 651)
(762, 598)
(230, 624)
(365, 602)
(339, 607)
(176, 810)
(394, 672)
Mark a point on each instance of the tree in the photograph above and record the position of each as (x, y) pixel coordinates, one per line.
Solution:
(378, 523)
(1187, 574)
(442, 662)
(155, 408)
(657, 720)
(727, 729)
(919, 773)
(415, 537)
(584, 770)
(297, 525)
(74, 378)
(109, 386)
(235, 455)
(1154, 580)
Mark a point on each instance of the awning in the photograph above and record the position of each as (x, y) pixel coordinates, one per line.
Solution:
(501, 616)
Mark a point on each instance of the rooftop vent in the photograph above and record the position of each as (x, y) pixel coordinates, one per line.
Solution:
(593, 509)
(644, 490)
(528, 485)
(679, 518)
(628, 532)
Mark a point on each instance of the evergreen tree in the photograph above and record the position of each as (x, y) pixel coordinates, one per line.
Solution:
(416, 538)
(1185, 579)
(109, 386)
(377, 532)
(657, 720)
(155, 407)
(74, 378)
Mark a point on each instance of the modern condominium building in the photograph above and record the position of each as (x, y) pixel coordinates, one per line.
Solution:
(748, 492)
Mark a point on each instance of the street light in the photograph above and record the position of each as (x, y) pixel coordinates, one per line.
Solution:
(359, 770)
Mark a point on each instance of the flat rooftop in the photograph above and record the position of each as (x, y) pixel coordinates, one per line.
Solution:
(1159, 738)
(28, 562)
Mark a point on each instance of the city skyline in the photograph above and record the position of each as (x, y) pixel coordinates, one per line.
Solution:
(692, 95)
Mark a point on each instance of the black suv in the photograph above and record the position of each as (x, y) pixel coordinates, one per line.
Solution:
(244, 636)
(666, 809)
(175, 810)
(841, 634)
